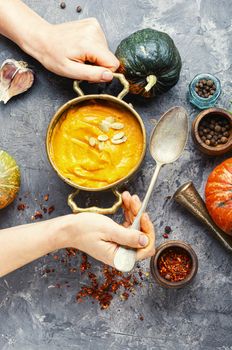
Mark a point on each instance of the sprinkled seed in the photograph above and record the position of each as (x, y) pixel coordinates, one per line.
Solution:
(117, 126)
(118, 136)
(104, 126)
(92, 141)
(103, 137)
(101, 146)
(117, 142)
(110, 120)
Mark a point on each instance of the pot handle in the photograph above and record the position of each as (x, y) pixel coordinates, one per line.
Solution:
(119, 76)
(105, 211)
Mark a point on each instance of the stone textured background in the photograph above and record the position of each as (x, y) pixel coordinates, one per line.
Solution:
(34, 316)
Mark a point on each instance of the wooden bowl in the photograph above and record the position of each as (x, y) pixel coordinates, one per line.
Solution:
(210, 150)
(174, 245)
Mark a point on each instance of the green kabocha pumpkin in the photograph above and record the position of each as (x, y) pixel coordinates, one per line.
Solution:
(9, 179)
(150, 62)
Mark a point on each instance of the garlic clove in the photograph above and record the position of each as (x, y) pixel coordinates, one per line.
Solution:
(15, 78)
(7, 72)
(21, 82)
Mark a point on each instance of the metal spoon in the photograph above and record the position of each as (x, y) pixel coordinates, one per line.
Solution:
(168, 140)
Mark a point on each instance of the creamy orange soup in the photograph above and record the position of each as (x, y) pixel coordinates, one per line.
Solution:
(99, 165)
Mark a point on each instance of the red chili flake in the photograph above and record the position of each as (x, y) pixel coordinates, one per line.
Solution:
(141, 317)
(85, 265)
(125, 295)
(167, 229)
(44, 210)
(38, 215)
(46, 197)
(71, 251)
(21, 206)
(57, 285)
(73, 269)
(165, 235)
(174, 265)
(51, 209)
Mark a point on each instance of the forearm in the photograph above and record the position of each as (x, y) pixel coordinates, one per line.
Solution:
(22, 25)
(22, 244)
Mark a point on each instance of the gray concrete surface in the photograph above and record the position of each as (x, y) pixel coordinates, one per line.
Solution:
(34, 316)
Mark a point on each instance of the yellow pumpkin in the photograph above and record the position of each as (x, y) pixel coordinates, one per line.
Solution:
(9, 179)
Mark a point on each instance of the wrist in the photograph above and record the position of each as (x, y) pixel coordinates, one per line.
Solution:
(64, 232)
(35, 44)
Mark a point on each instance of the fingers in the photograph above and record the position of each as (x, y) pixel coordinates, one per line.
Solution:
(81, 71)
(148, 228)
(102, 56)
(127, 237)
(131, 206)
(146, 224)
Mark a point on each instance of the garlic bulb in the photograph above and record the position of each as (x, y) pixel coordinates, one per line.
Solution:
(15, 78)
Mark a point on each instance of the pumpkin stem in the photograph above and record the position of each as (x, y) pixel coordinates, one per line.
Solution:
(151, 81)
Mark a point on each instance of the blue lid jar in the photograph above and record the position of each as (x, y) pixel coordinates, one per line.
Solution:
(202, 102)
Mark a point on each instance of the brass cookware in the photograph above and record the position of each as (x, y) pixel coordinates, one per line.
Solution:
(114, 186)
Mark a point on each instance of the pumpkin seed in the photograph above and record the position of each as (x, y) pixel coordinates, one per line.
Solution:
(103, 137)
(92, 141)
(117, 142)
(104, 126)
(118, 136)
(110, 120)
(101, 146)
(117, 126)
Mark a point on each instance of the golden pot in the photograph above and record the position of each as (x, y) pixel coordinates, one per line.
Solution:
(114, 186)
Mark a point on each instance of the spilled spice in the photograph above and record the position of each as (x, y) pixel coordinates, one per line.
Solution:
(21, 206)
(38, 215)
(46, 197)
(103, 287)
(51, 209)
(167, 231)
(174, 265)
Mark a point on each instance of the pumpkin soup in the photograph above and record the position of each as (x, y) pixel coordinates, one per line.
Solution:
(96, 144)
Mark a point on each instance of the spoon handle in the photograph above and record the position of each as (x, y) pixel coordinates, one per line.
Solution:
(125, 258)
(136, 222)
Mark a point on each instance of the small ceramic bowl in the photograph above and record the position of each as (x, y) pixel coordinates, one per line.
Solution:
(178, 246)
(201, 102)
(211, 150)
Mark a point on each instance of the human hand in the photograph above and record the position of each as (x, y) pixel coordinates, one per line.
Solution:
(99, 236)
(64, 49)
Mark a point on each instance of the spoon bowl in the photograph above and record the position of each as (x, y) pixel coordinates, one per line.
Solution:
(169, 136)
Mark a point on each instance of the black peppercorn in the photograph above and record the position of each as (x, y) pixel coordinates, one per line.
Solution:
(224, 139)
(62, 5)
(215, 130)
(205, 88)
(78, 9)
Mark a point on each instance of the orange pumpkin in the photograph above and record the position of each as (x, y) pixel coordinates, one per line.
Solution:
(9, 179)
(218, 195)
